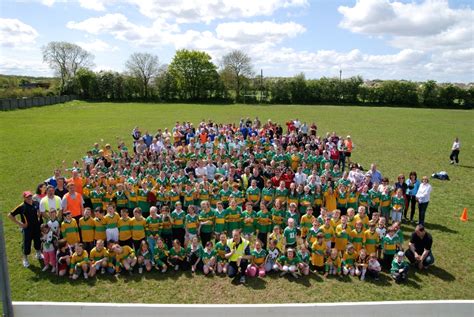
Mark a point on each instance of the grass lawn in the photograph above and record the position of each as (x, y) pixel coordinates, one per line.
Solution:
(35, 141)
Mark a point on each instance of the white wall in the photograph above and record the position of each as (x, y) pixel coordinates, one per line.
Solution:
(379, 309)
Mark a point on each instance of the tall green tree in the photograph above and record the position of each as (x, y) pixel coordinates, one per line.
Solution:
(195, 74)
(66, 59)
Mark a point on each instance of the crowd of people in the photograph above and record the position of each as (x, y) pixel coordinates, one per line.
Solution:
(244, 199)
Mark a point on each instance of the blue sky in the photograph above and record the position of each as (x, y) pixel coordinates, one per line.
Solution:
(377, 39)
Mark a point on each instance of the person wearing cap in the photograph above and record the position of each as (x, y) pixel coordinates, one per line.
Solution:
(53, 180)
(30, 225)
(400, 267)
(419, 249)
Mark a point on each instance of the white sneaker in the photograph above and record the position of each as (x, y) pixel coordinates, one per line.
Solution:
(39, 256)
(452, 162)
(53, 270)
(163, 271)
(295, 275)
(140, 270)
(86, 276)
(102, 270)
(46, 267)
(75, 276)
(362, 277)
(176, 267)
(26, 263)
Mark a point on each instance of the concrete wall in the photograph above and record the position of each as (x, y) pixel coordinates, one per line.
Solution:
(25, 103)
(365, 309)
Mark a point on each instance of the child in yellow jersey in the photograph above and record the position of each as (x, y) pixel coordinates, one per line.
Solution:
(350, 218)
(371, 238)
(69, 229)
(138, 224)
(330, 199)
(125, 229)
(307, 222)
(336, 218)
(318, 252)
(357, 236)
(341, 235)
(333, 264)
(328, 232)
(79, 262)
(86, 224)
(278, 237)
(111, 220)
(362, 216)
(99, 226)
(348, 260)
(125, 258)
(98, 258)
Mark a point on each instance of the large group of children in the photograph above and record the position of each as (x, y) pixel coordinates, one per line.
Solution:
(173, 202)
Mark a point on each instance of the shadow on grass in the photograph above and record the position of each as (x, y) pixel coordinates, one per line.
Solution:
(466, 166)
(256, 283)
(438, 227)
(384, 280)
(439, 272)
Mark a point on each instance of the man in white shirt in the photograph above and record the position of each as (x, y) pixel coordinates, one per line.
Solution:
(300, 177)
(201, 171)
(454, 157)
(423, 198)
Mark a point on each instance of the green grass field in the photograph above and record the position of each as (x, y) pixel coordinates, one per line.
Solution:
(35, 141)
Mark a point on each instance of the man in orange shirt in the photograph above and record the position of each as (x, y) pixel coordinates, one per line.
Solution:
(76, 179)
(73, 202)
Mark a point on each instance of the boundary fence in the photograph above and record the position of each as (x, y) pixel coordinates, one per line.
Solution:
(25, 103)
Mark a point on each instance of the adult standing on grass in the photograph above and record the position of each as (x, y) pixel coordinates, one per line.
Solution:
(423, 198)
(413, 184)
(238, 254)
(30, 225)
(419, 249)
(454, 157)
(73, 202)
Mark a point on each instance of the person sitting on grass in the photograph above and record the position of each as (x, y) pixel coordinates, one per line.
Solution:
(79, 262)
(98, 257)
(419, 249)
(333, 264)
(400, 267)
(289, 263)
(125, 258)
(145, 258)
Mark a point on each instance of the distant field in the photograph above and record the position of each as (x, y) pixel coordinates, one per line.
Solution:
(35, 141)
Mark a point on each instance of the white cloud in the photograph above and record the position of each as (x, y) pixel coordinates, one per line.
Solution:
(109, 23)
(97, 46)
(97, 5)
(381, 17)
(435, 39)
(22, 66)
(14, 33)
(254, 32)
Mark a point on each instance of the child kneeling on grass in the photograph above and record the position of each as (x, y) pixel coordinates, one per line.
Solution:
(99, 259)
(333, 264)
(400, 268)
(145, 258)
(374, 267)
(289, 263)
(79, 262)
(257, 266)
(125, 258)
(272, 257)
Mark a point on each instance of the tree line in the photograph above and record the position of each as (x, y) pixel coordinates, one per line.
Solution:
(192, 76)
